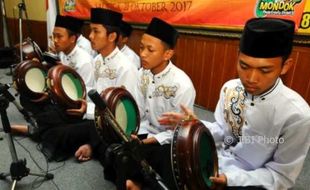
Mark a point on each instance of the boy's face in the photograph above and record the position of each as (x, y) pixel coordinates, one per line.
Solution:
(258, 75)
(153, 54)
(62, 41)
(98, 37)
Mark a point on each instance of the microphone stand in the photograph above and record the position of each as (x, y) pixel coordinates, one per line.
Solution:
(27, 115)
(6, 36)
(21, 8)
(18, 168)
(147, 170)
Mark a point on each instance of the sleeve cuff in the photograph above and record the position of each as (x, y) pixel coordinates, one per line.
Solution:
(164, 137)
(90, 111)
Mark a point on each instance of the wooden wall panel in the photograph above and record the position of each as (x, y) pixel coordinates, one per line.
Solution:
(36, 30)
(204, 60)
(1, 33)
(298, 76)
(197, 64)
(134, 40)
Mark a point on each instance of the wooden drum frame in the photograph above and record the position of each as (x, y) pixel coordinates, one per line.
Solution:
(29, 79)
(125, 110)
(66, 86)
(193, 156)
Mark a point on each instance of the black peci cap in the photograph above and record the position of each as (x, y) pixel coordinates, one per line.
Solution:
(125, 28)
(70, 23)
(105, 17)
(163, 31)
(267, 37)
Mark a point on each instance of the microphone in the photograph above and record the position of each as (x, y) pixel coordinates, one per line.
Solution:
(108, 116)
(95, 97)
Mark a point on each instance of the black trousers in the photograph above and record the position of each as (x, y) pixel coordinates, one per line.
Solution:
(127, 165)
(61, 134)
(159, 157)
(245, 188)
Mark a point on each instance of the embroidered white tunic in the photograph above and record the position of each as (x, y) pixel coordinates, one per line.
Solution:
(80, 61)
(133, 57)
(160, 93)
(115, 70)
(263, 139)
(85, 44)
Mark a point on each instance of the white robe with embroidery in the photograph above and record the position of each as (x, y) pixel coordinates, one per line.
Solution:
(262, 140)
(160, 93)
(85, 44)
(115, 70)
(81, 61)
(133, 57)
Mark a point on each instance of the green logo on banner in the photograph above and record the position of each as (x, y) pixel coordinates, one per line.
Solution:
(275, 7)
(69, 6)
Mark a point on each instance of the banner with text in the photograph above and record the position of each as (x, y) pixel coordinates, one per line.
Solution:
(196, 13)
(304, 26)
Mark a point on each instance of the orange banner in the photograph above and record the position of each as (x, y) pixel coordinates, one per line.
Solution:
(304, 26)
(206, 13)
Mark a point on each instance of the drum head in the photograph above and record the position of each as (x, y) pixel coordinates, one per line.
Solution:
(29, 79)
(125, 115)
(206, 158)
(35, 79)
(72, 86)
(193, 155)
(66, 86)
(125, 110)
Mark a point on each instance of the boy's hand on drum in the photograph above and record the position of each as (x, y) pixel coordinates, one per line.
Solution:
(35, 59)
(150, 140)
(219, 182)
(171, 119)
(135, 138)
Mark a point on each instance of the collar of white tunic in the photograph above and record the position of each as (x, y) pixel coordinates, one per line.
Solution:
(67, 58)
(71, 54)
(163, 73)
(80, 39)
(268, 94)
(110, 56)
(124, 48)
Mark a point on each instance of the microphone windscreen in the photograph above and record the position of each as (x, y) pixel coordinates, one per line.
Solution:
(95, 97)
